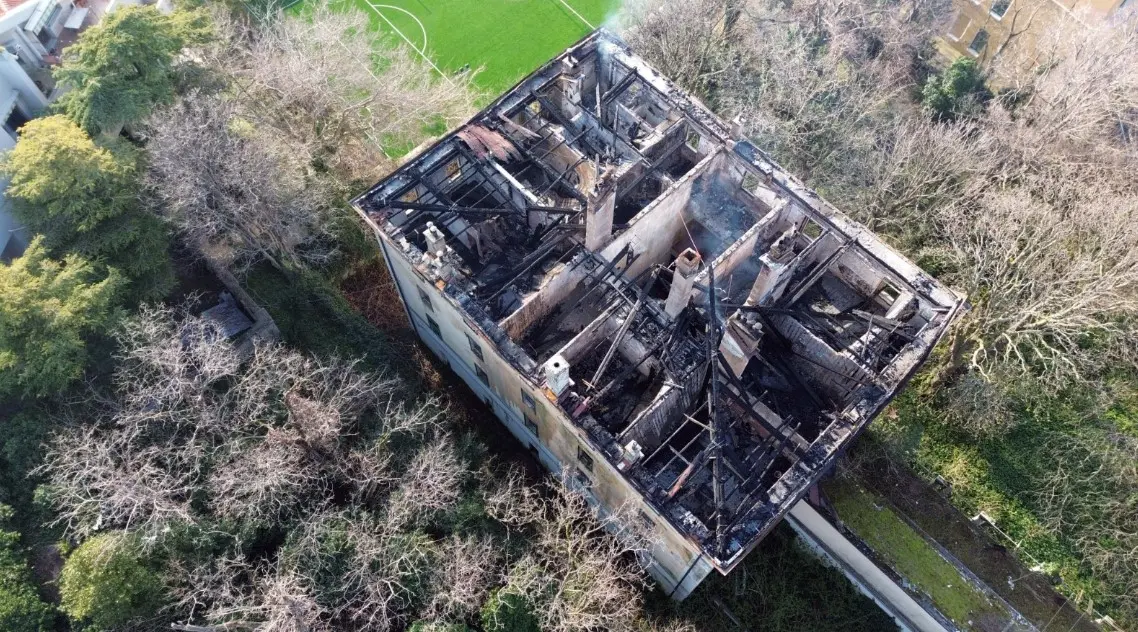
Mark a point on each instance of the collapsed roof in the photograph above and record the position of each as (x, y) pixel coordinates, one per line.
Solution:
(719, 331)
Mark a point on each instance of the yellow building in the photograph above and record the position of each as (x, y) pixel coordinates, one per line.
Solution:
(983, 29)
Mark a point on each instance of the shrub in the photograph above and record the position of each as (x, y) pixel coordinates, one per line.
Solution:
(106, 582)
(505, 611)
(957, 92)
(21, 609)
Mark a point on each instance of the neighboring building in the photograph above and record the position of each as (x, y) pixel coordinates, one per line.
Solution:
(983, 29)
(32, 32)
(559, 251)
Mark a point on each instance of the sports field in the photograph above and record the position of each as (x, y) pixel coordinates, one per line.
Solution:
(507, 38)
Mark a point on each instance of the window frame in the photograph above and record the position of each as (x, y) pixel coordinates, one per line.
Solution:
(482, 375)
(433, 325)
(531, 426)
(475, 348)
(972, 44)
(584, 458)
(1007, 7)
(425, 299)
(528, 401)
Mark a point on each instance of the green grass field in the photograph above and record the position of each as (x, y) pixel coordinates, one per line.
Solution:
(507, 38)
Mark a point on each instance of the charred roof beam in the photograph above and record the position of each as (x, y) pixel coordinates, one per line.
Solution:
(619, 88)
(466, 210)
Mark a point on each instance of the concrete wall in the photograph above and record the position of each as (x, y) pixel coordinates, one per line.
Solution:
(679, 565)
(656, 228)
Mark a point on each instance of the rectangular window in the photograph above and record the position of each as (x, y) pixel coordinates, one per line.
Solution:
(426, 299)
(979, 42)
(1000, 8)
(585, 459)
(531, 425)
(482, 375)
(646, 521)
(474, 348)
(529, 401)
(434, 326)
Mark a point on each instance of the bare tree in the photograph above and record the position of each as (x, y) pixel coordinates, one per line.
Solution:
(235, 191)
(230, 594)
(329, 84)
(582, 571)
(690, 42)
(430, 483)
(469, 567)
(1058, 287)
(263, 438)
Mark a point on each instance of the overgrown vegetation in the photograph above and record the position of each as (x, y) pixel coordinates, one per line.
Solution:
(907, 552)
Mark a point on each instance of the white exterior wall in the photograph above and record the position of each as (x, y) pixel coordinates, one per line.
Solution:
(679, 564)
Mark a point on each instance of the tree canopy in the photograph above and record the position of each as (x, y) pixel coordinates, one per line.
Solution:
(958, 91)
(84, 198)
(47, 308)
(106, 583)
(121, 68)
(21, 609)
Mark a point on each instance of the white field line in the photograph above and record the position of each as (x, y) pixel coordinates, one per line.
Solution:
(422, 54)
(579, 16)
(422, 49)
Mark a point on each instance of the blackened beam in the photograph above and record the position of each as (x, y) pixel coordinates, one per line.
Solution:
(608, 267)
(561, 177)
(662, 343)
(783, 369)
(549, 171)
(744, 516)
(622, 332)
(696, 464)
(563, 141)
(742, 400)
(619, 88)
(817, 272)
(528, 264)
(548, 106)
(718, 437)
(668, 441)
(652, 167)
(856, 315)
(487, 175)
(466, 210)
(616, 136)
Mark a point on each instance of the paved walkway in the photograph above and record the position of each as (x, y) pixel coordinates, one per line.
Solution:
(862, 571)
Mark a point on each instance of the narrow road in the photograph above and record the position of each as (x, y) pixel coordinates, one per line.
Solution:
(861, 570)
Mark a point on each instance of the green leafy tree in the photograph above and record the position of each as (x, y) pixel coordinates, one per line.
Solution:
(84, 198)
(119, 70)
(47, 307)
(106, 583)
(959, 91)
(507, 611)
(21, 609)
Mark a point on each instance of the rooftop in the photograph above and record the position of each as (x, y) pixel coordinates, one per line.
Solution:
(719, 331)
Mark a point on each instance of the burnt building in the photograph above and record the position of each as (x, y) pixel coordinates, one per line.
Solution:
(652, 305)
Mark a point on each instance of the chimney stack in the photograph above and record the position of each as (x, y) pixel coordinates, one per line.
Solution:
(557, 375)
(777, 266)
(683, 279)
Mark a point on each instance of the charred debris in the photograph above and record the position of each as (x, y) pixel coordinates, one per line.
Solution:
(718, 331)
